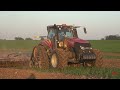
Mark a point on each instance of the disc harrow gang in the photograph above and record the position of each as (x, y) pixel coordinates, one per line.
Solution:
(14, 60)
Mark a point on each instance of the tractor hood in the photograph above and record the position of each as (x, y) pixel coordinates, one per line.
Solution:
(78, 40)
(72, 41)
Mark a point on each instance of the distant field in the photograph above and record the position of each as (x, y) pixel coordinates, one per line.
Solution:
(103, 45)
(18, 44)
(107, 45)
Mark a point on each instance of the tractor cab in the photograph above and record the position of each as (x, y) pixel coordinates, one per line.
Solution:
(62, 30)
(59, 33)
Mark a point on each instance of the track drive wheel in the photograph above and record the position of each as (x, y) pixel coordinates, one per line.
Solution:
(59, 59)
(39, 57)
(99, 60)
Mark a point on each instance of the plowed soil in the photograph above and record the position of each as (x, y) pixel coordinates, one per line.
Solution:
(11, 73)
(8, 73)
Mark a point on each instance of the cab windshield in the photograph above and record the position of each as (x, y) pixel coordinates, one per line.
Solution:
(65, 33)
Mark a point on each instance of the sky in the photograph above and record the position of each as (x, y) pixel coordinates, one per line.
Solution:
(34, 23)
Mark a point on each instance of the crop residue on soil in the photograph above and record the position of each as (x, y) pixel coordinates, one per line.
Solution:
(9, 73)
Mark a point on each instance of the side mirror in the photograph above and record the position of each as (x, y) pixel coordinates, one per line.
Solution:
(85, 30)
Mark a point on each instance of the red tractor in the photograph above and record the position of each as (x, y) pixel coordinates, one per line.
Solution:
(63, 48)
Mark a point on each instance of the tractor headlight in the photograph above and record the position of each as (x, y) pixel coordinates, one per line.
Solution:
(60, 44)
(83, 48)
(65, 45)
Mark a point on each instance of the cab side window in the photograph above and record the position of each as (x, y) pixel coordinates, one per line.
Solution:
(51, 34)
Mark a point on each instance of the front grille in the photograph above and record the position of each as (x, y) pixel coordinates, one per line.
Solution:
(89, 56)
(85, 44)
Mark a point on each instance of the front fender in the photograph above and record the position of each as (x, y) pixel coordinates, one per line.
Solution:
(47, 43)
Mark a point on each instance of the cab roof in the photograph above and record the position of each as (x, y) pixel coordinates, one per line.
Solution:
(63, 25)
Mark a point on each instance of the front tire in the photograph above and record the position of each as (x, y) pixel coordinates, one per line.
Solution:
(59, 59)
(39, 57)
(99, 58)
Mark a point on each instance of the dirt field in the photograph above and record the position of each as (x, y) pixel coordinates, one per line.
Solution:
(7, 73)
(111, 63)
(112, 54)
(10, 73)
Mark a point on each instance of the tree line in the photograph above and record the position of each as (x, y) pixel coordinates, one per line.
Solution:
(111, 37)
(20, 38)
(28, 38)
